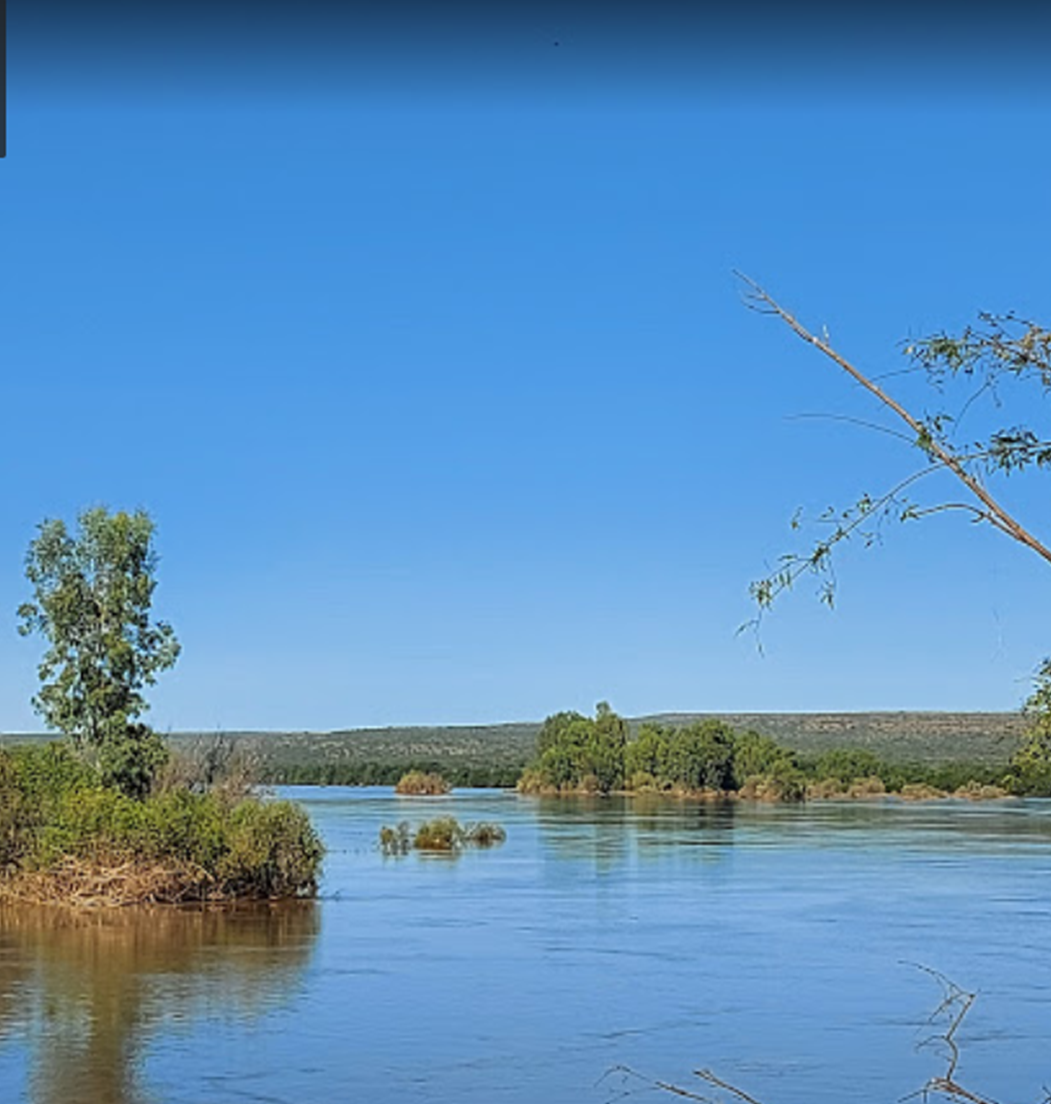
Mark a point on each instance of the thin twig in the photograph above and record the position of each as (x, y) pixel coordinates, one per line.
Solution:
(760, 300)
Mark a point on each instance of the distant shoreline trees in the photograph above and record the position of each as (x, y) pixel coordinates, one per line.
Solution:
(578, 755)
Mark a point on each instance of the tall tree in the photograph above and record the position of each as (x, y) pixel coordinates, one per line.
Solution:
(92, 593)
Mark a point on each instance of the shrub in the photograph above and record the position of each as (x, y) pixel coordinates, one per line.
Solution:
(418, 782)
(642, 781)
(784, 782)
(485, 835)
(921, 791)
(1030, 770)
(532, 781)
(978, 791)
(844, 765)
(396, 841)
(872, 786)
(445, 834)
(61, 831)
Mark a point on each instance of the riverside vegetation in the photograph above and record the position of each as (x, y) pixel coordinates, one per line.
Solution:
(445, 834)
(584, 755)
(422, 784)
(109, 816)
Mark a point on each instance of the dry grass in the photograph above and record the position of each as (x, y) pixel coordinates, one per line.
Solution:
(920, 791)
(110, 883)
(421, 784)
(975, 791)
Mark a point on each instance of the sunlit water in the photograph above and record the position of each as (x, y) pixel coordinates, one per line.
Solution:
(775, 946)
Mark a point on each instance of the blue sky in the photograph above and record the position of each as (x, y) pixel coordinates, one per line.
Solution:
(424, 350)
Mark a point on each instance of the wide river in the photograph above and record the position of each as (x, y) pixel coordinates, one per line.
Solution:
(782, 948)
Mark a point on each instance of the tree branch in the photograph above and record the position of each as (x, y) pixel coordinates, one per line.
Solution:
(924, 439)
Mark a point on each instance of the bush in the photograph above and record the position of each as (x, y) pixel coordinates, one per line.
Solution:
(485, 835)
(445, 834)
(59, 825)
(1030, 769)
(396, 841)
(783, 782)
(424, 784)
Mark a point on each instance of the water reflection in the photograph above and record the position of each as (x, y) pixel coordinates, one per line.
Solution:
(87, 991)
(608, 831)
(613, 830)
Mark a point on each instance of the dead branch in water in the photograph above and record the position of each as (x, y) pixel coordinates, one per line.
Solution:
(956, 1002)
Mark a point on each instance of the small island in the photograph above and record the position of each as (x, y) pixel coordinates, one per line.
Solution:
(419, 783)
(109, 816)
(709, 760)
(444, 835)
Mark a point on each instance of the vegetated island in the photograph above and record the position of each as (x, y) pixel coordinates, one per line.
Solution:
(709, 758)
(445, 835)
(417, 783)
(113, 815)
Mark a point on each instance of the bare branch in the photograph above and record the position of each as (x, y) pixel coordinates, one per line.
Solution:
(954, 1006)
(875, 426)
(707, 1075)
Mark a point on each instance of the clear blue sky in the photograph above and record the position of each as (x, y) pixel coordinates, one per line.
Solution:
(419, 339)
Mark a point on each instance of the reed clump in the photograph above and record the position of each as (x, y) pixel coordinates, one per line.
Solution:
(442, 835)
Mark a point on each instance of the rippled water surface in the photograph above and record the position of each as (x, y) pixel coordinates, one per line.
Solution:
(775, 946)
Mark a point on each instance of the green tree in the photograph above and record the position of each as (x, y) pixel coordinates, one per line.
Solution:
(700, 756)
(555, 728)
(92, 592)
(575, 751)
(755, 754)
(604, 753)
(644, 756)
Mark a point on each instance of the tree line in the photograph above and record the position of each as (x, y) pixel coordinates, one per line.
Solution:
(596, 755)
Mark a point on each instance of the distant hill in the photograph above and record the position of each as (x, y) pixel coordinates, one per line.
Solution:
(902, 737)
(897, 737)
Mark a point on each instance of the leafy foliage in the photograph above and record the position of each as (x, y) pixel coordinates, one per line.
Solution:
(54, 810)
(92, 593)
(1001, 353)
(988, 369)
(1031, 765)
(580, 753)
(710, 757)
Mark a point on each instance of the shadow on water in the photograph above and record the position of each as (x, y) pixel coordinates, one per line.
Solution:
(86, 991)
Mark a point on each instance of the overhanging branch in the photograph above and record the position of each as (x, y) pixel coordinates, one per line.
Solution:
(992, 511)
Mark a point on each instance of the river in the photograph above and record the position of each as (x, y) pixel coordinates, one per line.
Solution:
(786, 949)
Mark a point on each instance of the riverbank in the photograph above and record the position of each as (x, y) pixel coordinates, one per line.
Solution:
(757, 791)
(496, 754)
(67, 839)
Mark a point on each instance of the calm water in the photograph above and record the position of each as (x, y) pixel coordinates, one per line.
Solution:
(771, 945)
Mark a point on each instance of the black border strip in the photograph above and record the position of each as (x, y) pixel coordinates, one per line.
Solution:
(3, 78)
